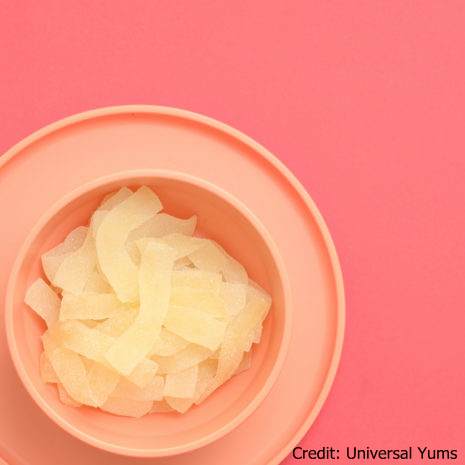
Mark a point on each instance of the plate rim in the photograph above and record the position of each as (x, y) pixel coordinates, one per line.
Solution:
(280, 167)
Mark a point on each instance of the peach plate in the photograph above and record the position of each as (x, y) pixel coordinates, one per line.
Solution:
(35, 173)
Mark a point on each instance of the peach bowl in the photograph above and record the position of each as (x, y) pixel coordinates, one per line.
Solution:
(220, 217)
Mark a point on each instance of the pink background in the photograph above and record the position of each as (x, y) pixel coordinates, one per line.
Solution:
(363, 100)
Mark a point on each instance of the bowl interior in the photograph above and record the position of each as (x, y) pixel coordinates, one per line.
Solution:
(157, 434)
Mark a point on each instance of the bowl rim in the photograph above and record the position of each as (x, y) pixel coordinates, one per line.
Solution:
(156, 174)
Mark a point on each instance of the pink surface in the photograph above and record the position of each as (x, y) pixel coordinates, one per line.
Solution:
(363, 100)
